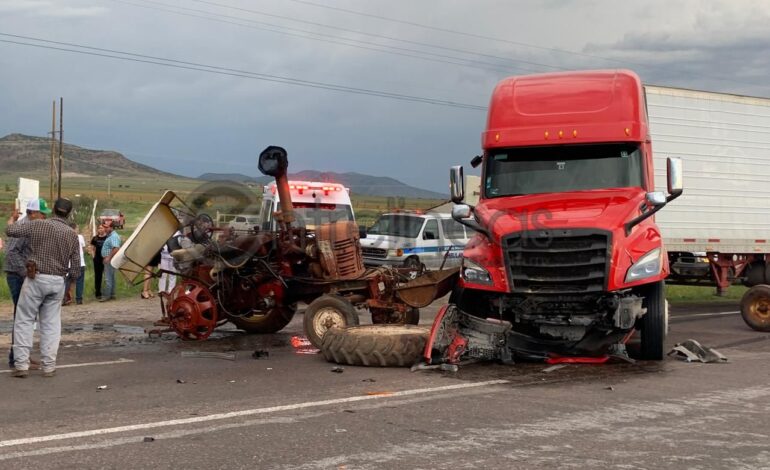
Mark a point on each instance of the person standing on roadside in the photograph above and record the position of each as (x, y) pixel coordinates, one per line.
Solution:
(79, 281)
(54, 253)
(16, 254)
(96, 252)
(109, 248)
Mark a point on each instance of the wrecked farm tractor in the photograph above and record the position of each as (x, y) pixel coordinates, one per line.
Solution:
(256, 280)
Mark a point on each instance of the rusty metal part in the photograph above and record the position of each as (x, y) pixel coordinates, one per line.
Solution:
(192, 312)
(339, 251)
(425, 289)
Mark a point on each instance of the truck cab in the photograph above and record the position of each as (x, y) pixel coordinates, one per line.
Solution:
(314, 203)
(566, 248)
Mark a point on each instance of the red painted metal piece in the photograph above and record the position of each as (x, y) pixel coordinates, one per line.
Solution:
(576, 360)
(456, 349)
(721, 266)
(433, 332)
(192, 312)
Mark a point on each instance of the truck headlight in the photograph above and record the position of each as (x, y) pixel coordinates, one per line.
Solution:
(473, 272)
(398, 252)
(647, 266)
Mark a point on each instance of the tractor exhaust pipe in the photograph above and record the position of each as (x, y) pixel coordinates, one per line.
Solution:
(274, 161)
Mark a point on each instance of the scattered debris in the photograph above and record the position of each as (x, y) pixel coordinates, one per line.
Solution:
(554, 367)
(148, 439)
(180, 381)
(101, 387)
(693, 351)
(610, 388)
(340, 430)
(379, 394)
(269, 368)
(209, 354)
(368, 380)
(443, 367)
(231, 381)
(260, 354)
(338, 369)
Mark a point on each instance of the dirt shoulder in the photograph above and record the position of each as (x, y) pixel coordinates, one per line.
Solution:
(95, 321)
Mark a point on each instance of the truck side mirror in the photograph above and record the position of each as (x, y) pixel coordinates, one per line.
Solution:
(456, 184)
(656, 198)
(362, 231)
(461, 211)
(674, 172)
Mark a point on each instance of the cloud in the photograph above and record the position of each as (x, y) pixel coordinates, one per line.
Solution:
(48, 8)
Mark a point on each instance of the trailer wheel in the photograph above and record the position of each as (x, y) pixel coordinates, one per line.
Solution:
(654, 323)
(325, 312)
(755, 307)
(375, 345)
(274, 320)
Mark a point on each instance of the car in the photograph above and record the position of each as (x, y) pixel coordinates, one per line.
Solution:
(244, 223)
(113, 216)
(414, 239)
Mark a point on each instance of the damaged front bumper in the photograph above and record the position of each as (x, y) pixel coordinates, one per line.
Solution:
(457, 336)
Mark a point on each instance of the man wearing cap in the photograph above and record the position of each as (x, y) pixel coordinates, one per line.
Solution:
(54, 253)
(17, 252)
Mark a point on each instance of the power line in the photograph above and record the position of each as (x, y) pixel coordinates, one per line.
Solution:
(357, 43)
(507, 41)
(142, 58)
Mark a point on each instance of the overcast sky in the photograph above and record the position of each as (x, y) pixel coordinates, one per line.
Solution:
(449, 53)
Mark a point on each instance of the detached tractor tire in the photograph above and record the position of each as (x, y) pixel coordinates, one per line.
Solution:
(654, 323)
(755, 307)
(326, 312)
(375, 345)
(271, 322)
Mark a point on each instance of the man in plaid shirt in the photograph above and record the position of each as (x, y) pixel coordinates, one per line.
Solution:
(55, 254)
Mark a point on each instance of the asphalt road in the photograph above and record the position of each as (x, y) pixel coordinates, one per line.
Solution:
(163, 410)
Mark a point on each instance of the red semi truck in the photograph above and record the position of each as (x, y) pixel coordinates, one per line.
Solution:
(567, 259)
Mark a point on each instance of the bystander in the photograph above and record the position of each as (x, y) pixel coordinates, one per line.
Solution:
(53, 255)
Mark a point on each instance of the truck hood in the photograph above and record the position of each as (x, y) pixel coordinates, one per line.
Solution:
(606, 209)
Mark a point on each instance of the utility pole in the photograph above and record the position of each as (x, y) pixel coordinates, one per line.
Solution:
(53, 148)
(61, 142)
(109, 184)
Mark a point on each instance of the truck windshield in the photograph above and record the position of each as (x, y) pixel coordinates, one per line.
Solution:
(397, 225)
(533, 170)
(310, 214)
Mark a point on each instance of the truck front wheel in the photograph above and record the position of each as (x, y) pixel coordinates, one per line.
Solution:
(654, 323)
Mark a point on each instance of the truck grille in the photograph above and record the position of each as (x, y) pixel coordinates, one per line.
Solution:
(370, 252)
(557, 261)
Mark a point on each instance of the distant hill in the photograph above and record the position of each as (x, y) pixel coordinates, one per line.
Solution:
(361, 184)
(29, 155)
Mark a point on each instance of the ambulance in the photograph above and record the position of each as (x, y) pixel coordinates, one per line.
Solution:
(314, 203)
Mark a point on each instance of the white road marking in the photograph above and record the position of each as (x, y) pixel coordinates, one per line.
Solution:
(712, 314)
(251, 412)
(84, 364)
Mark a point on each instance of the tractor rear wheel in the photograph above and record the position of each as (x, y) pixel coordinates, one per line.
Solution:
(375, 345)
(274, 320)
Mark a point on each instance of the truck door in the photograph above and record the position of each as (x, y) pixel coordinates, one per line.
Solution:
(454, 238)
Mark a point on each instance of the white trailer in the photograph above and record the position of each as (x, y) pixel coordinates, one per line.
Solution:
(723, 215)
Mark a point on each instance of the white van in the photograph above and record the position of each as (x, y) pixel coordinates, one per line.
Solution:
(413, 239)
(314, 203)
